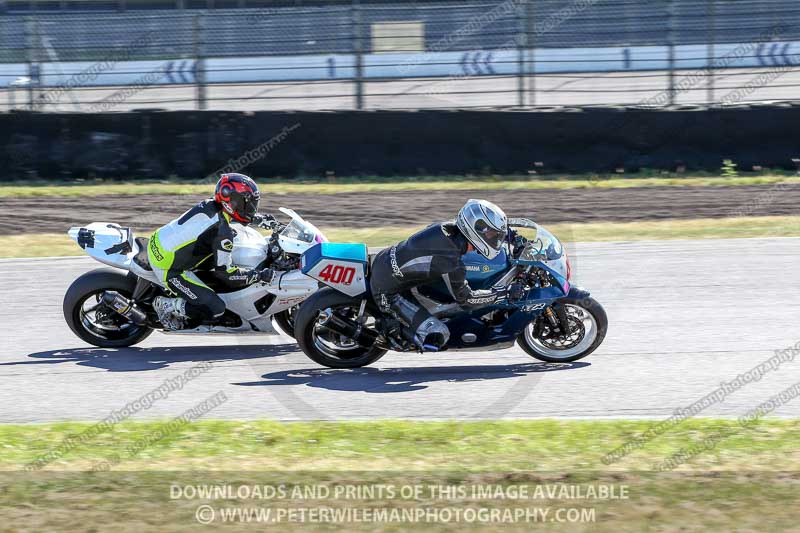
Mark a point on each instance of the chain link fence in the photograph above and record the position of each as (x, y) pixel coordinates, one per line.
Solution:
(382, 55)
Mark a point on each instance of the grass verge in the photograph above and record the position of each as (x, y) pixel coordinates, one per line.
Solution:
(55, 245)
(744, 483)
(466, 447)
(416, 183)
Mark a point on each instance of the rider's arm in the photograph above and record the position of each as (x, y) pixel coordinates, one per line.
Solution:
(224, 269)
(463, 294)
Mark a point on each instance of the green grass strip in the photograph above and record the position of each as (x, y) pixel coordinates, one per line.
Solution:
(361, 185)
(486, 446)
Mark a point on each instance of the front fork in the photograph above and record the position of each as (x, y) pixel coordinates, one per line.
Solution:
(557, 316)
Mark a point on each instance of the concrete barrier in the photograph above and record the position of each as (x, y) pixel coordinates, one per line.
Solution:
(195, 144)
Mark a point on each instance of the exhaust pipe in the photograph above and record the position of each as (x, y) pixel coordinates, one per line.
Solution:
(362, 336)
(124, 307)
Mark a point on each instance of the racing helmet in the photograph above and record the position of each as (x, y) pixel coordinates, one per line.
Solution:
(484, 225)
(238, 195)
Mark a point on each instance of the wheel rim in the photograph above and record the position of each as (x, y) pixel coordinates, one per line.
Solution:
(102, 322)
(334, 345)
(584, 332)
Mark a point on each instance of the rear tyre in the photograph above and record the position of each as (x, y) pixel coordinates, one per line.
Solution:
(588, 322)
(323, 346)
(93, 321)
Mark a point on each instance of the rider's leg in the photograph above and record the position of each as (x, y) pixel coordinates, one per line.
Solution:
(171, 311)
(197, 300)
(421, 328)
(201, 301)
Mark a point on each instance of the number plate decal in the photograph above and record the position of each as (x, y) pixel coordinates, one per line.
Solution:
(344, 276)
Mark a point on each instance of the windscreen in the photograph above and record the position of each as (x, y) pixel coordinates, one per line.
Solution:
(546, 248)
(543, 247)
(302, 231)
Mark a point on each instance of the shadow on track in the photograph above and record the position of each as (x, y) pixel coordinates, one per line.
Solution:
(140, 359)
(387, 380)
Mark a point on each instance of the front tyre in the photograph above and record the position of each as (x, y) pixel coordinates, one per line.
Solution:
(285, 320)
(322, 345)
(92, 320)
(588, 326)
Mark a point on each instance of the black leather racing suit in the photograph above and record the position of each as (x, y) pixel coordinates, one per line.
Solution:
(431, 255)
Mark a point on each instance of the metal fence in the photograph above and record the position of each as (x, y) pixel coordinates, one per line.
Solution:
(360, 55)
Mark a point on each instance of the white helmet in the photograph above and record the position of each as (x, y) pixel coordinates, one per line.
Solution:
(484, 225)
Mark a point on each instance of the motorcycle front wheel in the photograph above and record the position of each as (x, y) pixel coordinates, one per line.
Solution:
(322, 345)
(588, 325)
(285, 320)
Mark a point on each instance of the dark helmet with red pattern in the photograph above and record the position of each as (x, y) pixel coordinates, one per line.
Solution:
(238, 195)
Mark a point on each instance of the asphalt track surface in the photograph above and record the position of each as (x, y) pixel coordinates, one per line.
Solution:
(614, 88)
(684, 316)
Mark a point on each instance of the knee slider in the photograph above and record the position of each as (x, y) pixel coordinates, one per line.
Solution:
(217, 307)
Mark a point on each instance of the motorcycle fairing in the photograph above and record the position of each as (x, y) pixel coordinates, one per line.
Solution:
(482, 273)
(290, 288)
(110, 244)
(558, 274)
(342, 266)
(525, 311)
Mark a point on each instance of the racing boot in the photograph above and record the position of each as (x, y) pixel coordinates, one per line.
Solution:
(431, 335)
(171, 312)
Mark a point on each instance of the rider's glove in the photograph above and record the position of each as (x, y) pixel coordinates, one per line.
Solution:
(266, 275)
(265, 221)
(518, 244)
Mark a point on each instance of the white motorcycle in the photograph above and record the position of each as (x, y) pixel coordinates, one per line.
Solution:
(113, 309)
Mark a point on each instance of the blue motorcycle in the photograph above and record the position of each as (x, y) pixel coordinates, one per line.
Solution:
(340, 326)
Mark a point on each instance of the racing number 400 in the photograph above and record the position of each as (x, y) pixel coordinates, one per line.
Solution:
(338, 274)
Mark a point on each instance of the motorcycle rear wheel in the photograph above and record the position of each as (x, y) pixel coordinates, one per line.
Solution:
(93, 321)
(589, 325)
(321, 345)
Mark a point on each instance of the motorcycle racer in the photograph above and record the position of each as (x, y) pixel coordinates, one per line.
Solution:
(202, 239)
(432, 255)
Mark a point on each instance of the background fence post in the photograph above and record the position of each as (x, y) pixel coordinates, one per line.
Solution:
(671, 49)
(358, 50)
(711, 14)
(530, 63)
(32, 57)
(522, 43)
(200, 60)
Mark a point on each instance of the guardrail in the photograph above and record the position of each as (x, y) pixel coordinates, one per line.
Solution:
(477, 54)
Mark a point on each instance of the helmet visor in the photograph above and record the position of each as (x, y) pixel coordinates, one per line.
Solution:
(494, 238)
(250, 207)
